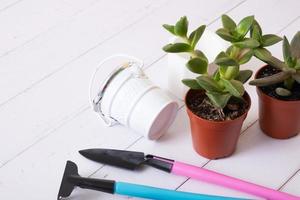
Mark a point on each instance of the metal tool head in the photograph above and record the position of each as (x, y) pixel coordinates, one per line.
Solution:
(119, 158)
(66, 186)
(127, 159)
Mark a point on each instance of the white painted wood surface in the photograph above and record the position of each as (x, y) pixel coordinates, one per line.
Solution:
(48, 50)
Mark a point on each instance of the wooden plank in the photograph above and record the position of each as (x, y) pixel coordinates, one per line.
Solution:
(52, 51)
(38, 173)
(67, 88)
(26, 20)
(293, 184)
(6, 4)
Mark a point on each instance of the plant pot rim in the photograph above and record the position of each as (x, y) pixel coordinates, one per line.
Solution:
(248, 99)
(260, 92)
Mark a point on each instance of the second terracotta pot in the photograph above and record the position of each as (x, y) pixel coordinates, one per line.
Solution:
(215, 139)
(278, 118)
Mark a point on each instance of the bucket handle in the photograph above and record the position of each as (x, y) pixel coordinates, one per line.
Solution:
(96, 101)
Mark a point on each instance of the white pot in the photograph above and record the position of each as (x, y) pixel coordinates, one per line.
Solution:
(210, 44)
(129, 98)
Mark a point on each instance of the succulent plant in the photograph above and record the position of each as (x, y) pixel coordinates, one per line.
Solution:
(289, 68)
(227, 81)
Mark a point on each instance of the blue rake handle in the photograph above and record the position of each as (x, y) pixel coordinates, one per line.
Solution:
(147, 192)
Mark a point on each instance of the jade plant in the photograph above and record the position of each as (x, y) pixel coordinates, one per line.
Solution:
(227, 80)
(289, 68)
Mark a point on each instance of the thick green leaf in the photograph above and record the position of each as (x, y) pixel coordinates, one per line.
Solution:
(270, 39)
(283, 92)
(225, 34)
(247, 43)
(234, 87)
(200, 54)
(295, 45)
(191, 83)
(224, 60)
(218, 99)
(181, 27)
(297, 67)
(231, 72)
(288, 83)
(244, 76)
(286, 49)
(244, 56)
(244, 26)
(262, 54)
(196, 35)
(228, 23)
(177, 48)
(170, 28)
(258, 28)
(296, 77)
(270, 80)
(216, 75)
(256, 33)
(197, 65)
(208, 84)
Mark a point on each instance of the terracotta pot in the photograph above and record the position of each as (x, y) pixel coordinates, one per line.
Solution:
(278, 118)
(215, 139)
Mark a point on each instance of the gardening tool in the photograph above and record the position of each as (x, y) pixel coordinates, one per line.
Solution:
(132, 160)
(71, 178)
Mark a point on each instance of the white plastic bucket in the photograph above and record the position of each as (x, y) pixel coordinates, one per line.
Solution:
(211, 45)
(129, 98)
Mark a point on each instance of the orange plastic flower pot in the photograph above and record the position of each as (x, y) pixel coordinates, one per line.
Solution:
(278, 118)
(215, 139)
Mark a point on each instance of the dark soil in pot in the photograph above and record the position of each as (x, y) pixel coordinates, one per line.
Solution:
(200, 105)
(270, 90)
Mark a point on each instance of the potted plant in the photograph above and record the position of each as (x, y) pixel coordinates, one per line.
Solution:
(278, 86)
(217, 103)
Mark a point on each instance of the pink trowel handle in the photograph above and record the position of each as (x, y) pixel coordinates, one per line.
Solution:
(229, 182)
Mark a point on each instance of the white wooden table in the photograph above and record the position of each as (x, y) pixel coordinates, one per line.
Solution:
(48, 51)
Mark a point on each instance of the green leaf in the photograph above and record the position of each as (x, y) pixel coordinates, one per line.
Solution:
(296, 77)
(258, 28)
(256, 32)
(225, 34)
(295, 45)
(234, 87)
(208, 84)
(228, 23)
(200, 54)
(270, 80)
(286, 49)
(231, 72)
(283, 92)
(170, 28)
(247, 43)
(196, 35)
(177, 48)
(224, 60)
(244, 26)
(297, 66)
(244, 56)
(181, 27)
(216, 75)
(197, 65)
(244, 76)
(191, 83)
(262, 54)
(218, 99)
(270, 39)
